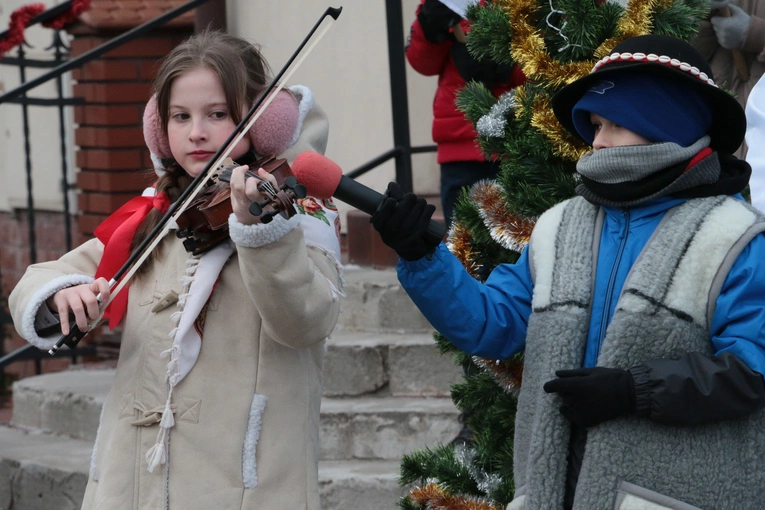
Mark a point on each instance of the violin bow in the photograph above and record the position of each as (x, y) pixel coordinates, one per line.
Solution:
(126, 272)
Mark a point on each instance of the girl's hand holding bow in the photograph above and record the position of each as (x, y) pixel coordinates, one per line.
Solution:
(82, 301)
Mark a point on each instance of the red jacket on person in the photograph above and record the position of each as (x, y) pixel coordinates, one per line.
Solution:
(452, 132)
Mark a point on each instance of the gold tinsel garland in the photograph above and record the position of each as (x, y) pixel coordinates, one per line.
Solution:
(528, 50)
(433, 497)
(510, 230)
(527, 46)
(563, 144)
(460, 243)
(543, 120)
(635, 21)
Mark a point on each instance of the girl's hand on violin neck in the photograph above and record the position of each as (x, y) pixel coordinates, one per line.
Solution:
(82, 301)
(245, 191)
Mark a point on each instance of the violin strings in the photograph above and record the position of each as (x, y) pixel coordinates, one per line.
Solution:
(269, 187)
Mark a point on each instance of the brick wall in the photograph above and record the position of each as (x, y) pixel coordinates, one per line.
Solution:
(112, 158)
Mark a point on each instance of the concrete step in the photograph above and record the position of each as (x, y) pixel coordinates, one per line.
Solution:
(384, 428)
(69, 403)
(359, 484)
(375, 301)
(44, 472)
(66, 403)
(386, 364)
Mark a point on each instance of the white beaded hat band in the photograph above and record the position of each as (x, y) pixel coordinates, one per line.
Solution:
(660, 59)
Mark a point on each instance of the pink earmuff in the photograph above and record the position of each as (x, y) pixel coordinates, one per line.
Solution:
(270, 135)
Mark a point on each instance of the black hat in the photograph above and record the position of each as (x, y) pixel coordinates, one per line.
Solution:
(668, 57)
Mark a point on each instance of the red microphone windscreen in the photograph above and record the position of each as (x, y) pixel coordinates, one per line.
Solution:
(319, 174)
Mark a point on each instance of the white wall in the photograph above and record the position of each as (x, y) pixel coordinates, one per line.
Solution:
(43, 127)
(348, 73)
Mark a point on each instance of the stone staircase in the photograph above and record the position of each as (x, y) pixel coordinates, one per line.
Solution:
(386, 393)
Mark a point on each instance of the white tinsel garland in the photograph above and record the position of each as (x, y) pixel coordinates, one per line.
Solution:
(493, 124)
(465, 457)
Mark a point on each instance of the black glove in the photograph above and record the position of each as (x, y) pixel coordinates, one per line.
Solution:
(485, 71)
(402, 221)
(436, 19)
(593, 395)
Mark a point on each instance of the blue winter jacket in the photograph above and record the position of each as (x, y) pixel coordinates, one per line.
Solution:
(490, 319)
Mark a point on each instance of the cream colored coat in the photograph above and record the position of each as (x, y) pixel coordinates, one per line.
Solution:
(721, 60)
(263, 339)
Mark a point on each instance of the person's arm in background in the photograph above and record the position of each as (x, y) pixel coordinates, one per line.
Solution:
(706, 39)
(755, 139)
(740, 30)
(430, 38)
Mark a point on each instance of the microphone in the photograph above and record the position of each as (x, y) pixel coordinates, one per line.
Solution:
(324, 179)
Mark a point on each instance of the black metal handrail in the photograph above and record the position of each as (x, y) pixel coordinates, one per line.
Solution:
(395, 152)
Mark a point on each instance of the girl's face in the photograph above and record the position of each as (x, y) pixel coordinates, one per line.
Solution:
(199, 120)
(608, 134)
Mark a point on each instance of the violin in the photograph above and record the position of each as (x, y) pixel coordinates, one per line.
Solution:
(204, 225)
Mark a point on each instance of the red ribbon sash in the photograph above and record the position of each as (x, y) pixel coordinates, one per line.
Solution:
(116, 233)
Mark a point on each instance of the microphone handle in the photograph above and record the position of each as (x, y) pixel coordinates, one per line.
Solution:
(366, 199)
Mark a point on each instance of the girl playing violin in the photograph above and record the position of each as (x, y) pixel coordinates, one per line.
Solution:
(215, 402)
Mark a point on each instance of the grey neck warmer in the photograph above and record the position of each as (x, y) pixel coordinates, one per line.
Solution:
(634, 174)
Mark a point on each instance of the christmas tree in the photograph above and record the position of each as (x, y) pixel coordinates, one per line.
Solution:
(554, 42)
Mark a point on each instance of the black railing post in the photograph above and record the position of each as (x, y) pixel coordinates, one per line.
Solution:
(59, 56)
(398, 92)
(28, 156)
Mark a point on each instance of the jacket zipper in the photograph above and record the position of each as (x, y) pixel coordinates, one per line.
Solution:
(612, 282)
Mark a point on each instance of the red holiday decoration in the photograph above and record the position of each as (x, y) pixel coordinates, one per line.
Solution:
(63, 19)
(22, 17)
(19, 21)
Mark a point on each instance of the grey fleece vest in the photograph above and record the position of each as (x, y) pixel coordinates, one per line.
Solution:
(664, 311)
